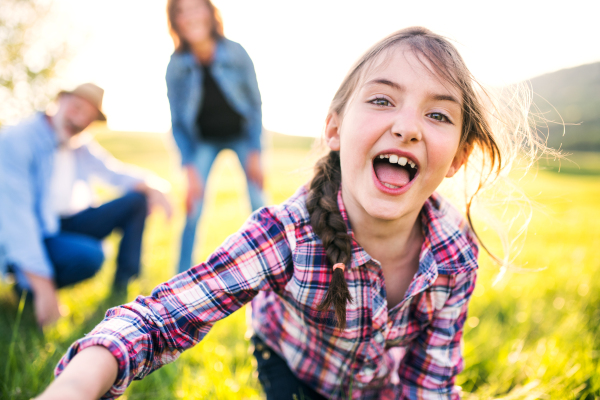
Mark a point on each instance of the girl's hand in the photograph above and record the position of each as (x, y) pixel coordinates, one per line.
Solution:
(194, 189)
(89, 375)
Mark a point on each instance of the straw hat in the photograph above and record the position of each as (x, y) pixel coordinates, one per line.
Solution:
(90, 92)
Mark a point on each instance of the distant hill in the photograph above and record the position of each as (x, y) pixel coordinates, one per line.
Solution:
(282, 141)
(575, 94)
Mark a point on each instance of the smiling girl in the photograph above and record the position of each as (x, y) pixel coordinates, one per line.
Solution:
(359, 282)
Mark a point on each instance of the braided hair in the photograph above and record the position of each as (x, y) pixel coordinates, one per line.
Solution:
(495, 147)
(329, 225)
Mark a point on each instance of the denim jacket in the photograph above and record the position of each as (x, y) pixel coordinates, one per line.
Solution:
(233, 71)
(26, 216)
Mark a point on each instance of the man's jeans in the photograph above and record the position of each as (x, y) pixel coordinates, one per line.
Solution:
(76, 251)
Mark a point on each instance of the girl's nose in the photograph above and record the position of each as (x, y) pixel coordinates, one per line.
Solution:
(407, 125)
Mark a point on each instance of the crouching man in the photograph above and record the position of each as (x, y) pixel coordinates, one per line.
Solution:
(50, 232)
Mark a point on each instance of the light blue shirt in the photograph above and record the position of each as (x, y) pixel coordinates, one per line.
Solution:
(233, 71)
(26, 214)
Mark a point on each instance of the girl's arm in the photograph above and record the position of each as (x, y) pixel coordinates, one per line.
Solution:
(434, 359)
(100, 368)
(152, 331)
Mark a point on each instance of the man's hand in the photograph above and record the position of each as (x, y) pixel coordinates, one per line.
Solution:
(254, 169)
(156, 196)
(45, 299)
(195, 188)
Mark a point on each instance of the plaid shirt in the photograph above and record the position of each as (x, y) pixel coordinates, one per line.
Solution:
(277, 261)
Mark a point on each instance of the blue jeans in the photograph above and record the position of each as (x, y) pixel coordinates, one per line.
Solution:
(276, 378)
(76, 251)
(203, 161)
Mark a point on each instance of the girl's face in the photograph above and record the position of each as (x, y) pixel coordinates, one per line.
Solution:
(193, 20)
(398, 138)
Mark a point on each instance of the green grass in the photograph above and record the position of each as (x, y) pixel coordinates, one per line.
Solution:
(533, 335)
(576, 163)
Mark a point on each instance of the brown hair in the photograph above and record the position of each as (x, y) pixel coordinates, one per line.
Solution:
(181, 45)
(495, 150)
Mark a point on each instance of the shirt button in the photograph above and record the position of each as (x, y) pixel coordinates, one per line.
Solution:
(379, 337)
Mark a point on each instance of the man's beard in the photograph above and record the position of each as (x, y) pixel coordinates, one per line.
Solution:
(73, 128)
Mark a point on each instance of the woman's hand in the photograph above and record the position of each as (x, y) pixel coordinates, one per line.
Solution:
(194, 189)
(89, 375)
(254, 168)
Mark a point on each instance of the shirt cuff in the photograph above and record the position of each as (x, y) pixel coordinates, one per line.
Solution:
(117, 349)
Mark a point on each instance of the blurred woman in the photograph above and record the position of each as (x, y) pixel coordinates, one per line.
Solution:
(215, 105)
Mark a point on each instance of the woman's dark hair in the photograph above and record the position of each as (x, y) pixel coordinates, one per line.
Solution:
(181, 45)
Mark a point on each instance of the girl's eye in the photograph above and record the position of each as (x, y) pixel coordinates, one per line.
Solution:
(439, 117)
(380, 101)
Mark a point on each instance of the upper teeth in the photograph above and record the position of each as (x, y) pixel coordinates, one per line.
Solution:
(394, 158)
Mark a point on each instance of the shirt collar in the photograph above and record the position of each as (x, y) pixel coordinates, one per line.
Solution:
(448, 247)
(447, 236)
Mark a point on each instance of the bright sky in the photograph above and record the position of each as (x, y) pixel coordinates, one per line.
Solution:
(302, 49)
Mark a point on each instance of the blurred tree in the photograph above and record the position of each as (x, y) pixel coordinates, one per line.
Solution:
(32, 50)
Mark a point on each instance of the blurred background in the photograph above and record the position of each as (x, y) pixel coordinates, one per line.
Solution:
(535, 334)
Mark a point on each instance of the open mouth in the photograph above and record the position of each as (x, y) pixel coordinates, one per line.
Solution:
(394, 171)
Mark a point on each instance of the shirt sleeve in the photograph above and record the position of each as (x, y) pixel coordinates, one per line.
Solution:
(23, 235)
(100, 163)
(152, 331)
(431, 364)
(253, 94)
(182, 139)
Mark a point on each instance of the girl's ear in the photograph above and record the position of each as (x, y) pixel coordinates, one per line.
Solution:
(332, 131)
(459, 159)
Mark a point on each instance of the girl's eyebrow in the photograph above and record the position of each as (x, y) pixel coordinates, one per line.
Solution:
(387, 83)
(394, 85)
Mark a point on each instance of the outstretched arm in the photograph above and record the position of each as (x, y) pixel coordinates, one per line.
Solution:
(152, 331)
(101, 371)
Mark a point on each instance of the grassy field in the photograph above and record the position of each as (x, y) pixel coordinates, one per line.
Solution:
(533, 335)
